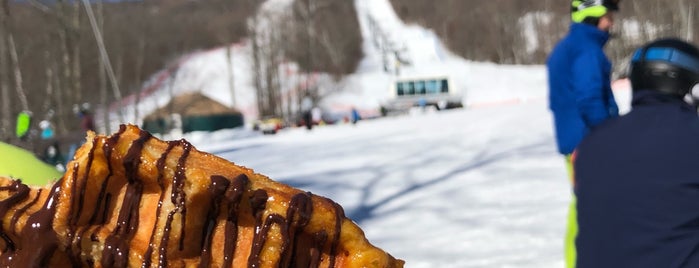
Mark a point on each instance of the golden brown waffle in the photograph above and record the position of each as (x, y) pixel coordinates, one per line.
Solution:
(131, 200)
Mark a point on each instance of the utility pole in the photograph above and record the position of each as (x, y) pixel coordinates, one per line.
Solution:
(6, 108)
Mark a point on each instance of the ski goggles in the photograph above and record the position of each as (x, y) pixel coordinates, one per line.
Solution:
(669, 55)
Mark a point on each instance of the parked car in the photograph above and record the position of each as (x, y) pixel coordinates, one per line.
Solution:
(270, 125)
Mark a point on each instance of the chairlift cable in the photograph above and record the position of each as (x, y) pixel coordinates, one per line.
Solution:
(105, 57)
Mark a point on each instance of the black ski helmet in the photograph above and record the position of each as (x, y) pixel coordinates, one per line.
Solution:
(670, 66)
(590, 11)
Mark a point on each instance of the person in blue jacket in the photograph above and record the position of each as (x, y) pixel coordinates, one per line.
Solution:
(355, 115)
(580, 95)
(637, 181)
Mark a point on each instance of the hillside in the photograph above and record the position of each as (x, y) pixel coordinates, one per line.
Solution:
(523, 32)
(58, 62)
(366, 89)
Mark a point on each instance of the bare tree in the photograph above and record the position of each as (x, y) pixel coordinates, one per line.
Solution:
(140, 58)
(327, 41)
(685, 18)
(54, 82)
(66, 84)
(256, 59)
(102, 72)
(4, 75)
(231, 73)
(48, 100)
(307, 9)
(323, 42)
(268, 44)
(76, 51)
(488, 30)
(17, 72)
(13, 58)
(141, 44)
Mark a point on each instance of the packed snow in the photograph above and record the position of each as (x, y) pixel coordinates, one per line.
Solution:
(476, 187)
(464, 188)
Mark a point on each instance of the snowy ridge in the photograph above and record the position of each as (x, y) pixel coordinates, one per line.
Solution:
(368, 87)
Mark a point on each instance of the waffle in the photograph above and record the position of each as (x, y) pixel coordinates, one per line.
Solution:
(132, 200)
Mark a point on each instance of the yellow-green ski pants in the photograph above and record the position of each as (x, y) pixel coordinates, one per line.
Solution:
(572, 226)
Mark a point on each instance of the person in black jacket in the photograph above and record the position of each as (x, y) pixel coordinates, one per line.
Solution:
(637, 176)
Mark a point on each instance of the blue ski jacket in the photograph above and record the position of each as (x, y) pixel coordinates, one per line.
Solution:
(580, 94)
(637, 184)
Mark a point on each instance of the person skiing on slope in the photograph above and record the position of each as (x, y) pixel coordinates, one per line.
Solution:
(24, 123)
(47, 131)
(636, 176)
(355, 115)
(87, 122)
(306, 107)
(580, 95)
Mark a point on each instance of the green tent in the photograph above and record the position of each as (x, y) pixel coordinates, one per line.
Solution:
(196, 112)
(21, 164)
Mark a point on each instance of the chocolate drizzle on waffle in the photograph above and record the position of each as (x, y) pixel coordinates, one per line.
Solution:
(233, 195)
(113, 226)
(116, 246)
(36, 243)
(20, 192)
(160, 166)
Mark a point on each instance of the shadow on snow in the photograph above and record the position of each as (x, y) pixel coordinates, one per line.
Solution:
(367, 209)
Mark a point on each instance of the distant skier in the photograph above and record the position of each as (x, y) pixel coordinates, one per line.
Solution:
(24, 123)
(306, 107)
(580, 94)
(87, 122)
(52, 155)
(355, 116)
(47, 132)
(637, 179)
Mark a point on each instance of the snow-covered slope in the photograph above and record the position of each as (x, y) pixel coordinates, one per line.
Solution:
(475, 187)
(463, 188)
(480, 83)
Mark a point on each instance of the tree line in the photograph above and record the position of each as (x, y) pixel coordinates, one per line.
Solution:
(321, 36)
(502, 31)
(51, 60)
